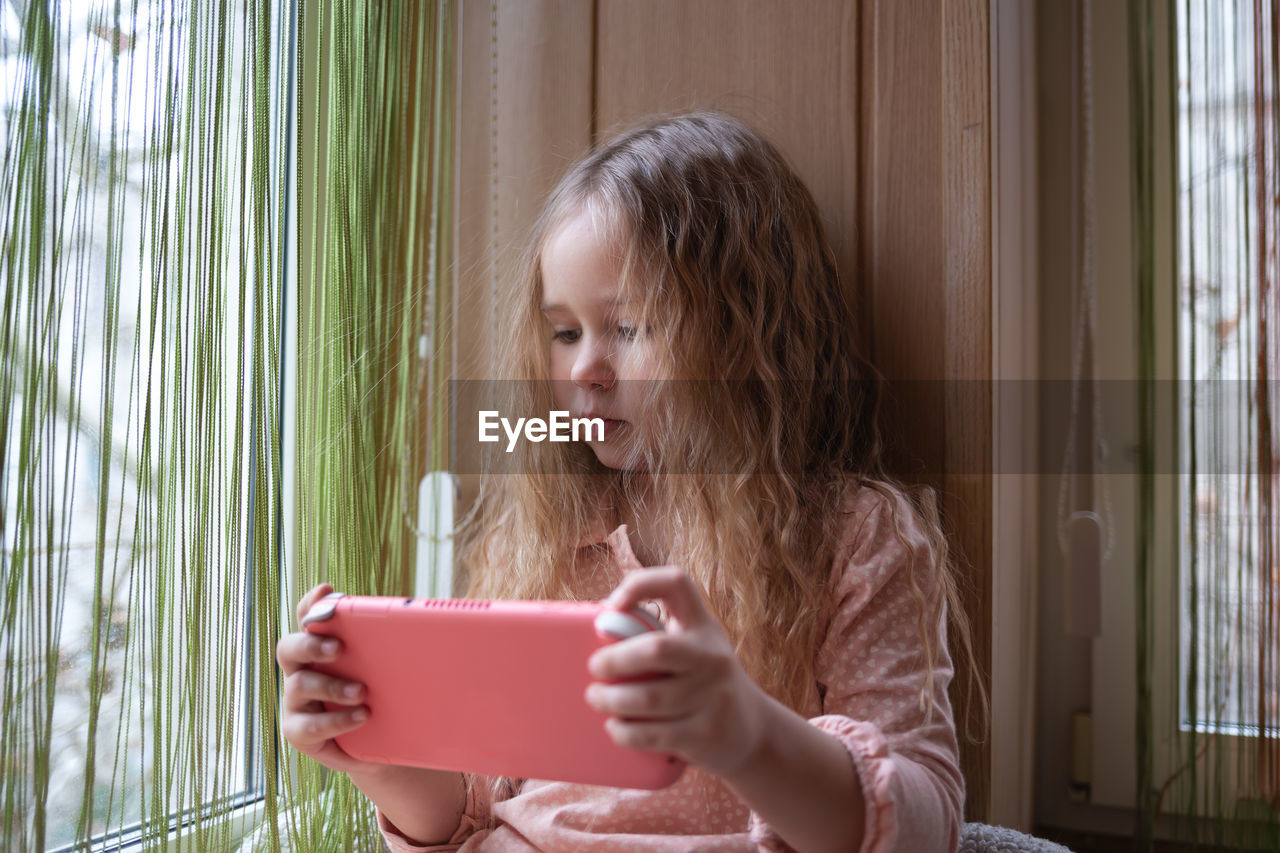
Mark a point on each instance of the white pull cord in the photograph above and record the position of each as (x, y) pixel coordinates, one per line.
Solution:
(1080, 530)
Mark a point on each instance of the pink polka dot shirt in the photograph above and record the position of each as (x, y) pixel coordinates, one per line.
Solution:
(870, 667)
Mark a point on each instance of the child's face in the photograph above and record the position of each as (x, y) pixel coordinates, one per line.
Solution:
(596, 348)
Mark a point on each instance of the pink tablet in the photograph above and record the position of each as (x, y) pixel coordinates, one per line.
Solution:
(489, 687)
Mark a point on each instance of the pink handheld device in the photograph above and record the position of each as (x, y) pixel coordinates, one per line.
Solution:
(489, 687)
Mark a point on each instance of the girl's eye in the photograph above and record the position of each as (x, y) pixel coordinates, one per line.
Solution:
(568, 336)
(628, 333)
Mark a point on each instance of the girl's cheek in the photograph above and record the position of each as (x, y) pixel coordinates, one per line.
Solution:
(561, 392)
(555, 364)
(641, 361)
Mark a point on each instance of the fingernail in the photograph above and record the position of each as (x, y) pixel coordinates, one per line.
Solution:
(351, 690)
(359, 715)
(329, 647)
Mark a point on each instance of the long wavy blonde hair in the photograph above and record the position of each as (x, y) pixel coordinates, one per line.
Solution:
(766, 408)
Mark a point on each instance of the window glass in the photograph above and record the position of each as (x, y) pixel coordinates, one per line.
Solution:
(1219, 327)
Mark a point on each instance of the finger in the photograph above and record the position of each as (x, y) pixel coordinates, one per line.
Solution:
(307, 730)
(331, 755)
(313, 595)
(307, 686)
(659, 698)
(669, 584)
(294, 651)
(661, 736)
(655, 654)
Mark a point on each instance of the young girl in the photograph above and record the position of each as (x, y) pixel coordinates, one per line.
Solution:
(679, 286)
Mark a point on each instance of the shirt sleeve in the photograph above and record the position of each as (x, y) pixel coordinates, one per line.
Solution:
(475, 814)
(871, 668)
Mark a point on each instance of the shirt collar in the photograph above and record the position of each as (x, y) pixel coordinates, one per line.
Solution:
(619, 543)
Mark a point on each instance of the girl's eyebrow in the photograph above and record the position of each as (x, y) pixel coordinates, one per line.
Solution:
(548, 308)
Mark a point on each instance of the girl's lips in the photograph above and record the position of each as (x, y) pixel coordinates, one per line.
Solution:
(610, 426)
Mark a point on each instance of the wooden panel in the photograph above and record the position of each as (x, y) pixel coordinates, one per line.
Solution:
(789, 69)
(524, 113)
(925, 215)
(890, 97)
(967, 493)
(902, 219)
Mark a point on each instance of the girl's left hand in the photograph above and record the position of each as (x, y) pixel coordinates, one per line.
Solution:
(706, 709)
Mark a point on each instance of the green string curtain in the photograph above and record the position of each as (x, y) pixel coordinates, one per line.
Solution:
(373, 316)
(182, 183)
(1219, 787)
(143, 221)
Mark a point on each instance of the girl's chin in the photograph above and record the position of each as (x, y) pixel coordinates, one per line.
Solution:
(617, 458)
(619, 450)
(619, 463)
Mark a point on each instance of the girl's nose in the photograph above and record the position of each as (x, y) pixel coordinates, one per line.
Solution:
(593, 368)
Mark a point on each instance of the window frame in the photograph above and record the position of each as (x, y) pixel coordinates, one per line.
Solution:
(1015, 443)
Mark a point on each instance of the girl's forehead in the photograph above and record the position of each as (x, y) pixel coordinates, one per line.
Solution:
(578, 267)
(595, 217)
(585, 257)
(586, 227)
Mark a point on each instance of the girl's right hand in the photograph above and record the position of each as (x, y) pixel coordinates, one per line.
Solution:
(419, 803)
(304, 722)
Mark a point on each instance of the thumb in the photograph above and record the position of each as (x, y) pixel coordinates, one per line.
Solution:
(669, 584)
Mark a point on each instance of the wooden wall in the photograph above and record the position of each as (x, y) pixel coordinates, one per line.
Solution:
(883, 108)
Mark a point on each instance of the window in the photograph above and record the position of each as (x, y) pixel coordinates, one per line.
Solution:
(1220, 316)
(1206, 585)
(143, 294)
